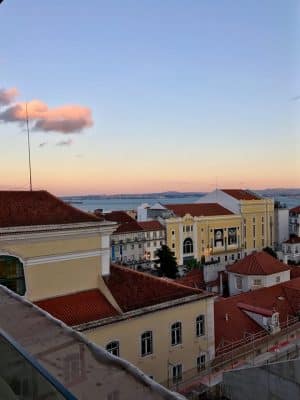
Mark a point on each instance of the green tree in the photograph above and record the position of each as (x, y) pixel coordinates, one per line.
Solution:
(192, 264)
(270, 251)
(167, 261)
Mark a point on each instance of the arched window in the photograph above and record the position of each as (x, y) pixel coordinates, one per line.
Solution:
(146, 343)
(113, 348)
(176, 333)
(12, 274)
(188, 246)
(200, 325)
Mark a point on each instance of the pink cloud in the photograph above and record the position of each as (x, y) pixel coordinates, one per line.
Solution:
(65, 119)
(7, 96)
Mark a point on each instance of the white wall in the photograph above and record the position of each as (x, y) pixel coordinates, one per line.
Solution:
(248, 281)
(217, 196)
(281, 221)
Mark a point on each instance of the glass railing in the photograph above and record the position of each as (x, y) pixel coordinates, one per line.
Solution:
(23, 378)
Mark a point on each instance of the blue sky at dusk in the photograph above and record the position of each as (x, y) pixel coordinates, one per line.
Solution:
(180, 92)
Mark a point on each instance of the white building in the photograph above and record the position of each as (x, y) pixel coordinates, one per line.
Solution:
(281, 225)
(291, 250)
(256, 271)
(294, 221)
(132, 241)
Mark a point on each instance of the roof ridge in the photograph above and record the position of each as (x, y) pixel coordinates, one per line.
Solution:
(155, 278)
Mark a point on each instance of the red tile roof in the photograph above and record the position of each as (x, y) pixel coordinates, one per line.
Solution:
(293, 240)
(260, 263)
(117, 216)
(256, 310)
(151, 226)
(193, 279)
(78, 308)
(231, 322)
(126, 222)
(240, 194)
(24, 208)
(198, 209)
(133, 290)
(126, 227)
(295, 210)
(295, 272)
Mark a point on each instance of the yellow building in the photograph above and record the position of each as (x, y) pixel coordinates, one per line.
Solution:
(222, 226)
(58, 257)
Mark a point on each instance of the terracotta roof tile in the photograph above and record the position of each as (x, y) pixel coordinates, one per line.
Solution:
(25, 208)
(198, 209)
(241, 194)
(193, 279)
(280, 298)
(295, 272)
(78, 308)
(133, 290)
(151, 225)
(117, 216)
(260, 263)
(293, 240)
(295, 210)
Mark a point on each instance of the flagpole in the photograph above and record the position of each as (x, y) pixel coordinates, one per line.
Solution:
(29, 155)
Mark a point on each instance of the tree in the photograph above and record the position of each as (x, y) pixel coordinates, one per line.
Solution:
(167, 261)
(192, 264)
(270, 251)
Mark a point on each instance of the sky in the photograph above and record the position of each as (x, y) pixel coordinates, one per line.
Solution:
(135, 96)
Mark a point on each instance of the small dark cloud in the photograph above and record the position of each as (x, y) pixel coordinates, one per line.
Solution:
(67, 142)
(43, 144)
(295, 98)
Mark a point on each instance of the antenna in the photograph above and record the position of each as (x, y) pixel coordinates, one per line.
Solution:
(29, 155)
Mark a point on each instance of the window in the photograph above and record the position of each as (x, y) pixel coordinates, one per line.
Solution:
(232, 256)
(187, 228)
(12, 274)
(254, 243)
(253, 220)
(176, 336)
(148, 244)
(253, 230)
(148, 235)
(113, 348)
(173, 233)
(277, 279)
(200, 325)
(187, 246)
(201, 362)
(140, 245)
(177, 373)
(132, 247)
(173, 245)
(225, 258)
(239, 282)
(263, 229)
(239, 256)
(183, 228)
(146, 343)
(191, 228)
(154, 235)
(154, 244)
(263, 242)
(257, 282)
(262, 220)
